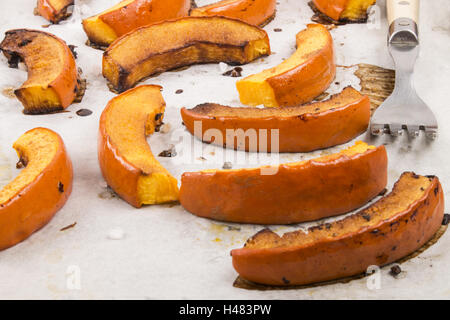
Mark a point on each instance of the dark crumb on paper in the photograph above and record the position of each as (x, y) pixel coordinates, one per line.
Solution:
(108, 193)
(69, 226)
(201, 158)
(277, 30)
(179, 91)
(84, 112)
(337, 83)
(22, 163)
(72, 48)
(446, 219)
(236, 72)
(395, 270)
(227, 165)
(169, 153)
(60, 187)
(233, 228)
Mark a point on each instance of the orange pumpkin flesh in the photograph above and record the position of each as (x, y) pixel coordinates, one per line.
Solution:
(256, 12)
(297, 80)
(344, 10)
(128, 15)
(390, 229)
(182, 42)
(29, 201)
(125, 157)
(54, 10)
(52, 82)
(295, 192)
(300, 129)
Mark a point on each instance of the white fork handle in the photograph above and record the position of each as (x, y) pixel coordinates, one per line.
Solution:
(403, 9)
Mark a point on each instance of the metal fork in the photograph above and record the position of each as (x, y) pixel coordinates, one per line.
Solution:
(404, 109)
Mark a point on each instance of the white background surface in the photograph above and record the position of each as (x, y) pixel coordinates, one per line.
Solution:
(167, 252)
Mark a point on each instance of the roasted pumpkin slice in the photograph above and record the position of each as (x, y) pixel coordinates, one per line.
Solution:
(290, 193)
(256, 12)
(297, 80)
(298, 129)
(54, 10)
(53, 81)
(390, 229)
(29, 201)
(126, 160)
(344, 10)
(105, 27)
(176, 43)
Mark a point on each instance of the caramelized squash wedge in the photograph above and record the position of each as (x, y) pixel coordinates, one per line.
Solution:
(390, 229)
(344, 10)
(53, 81)
(295, 192)
(297, 80)
(125, 158)
(104, 28)
(29, 201)
(256, 12)
(299, 129)
(54, 10)
(176, 43)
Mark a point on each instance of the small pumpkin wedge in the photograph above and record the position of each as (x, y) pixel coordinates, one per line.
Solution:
(344, 10)
(293, 193)
(181, 42)
(298, 79)
(125, 158)
(29, 201)
(299, 129)
(256, 12)
(390, 229)
(53, 81)
(105, 27)
(54, 10)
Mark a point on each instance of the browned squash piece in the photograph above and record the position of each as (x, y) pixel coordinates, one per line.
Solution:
(297, 80)
(288, 193)
(299, 129)
(125, 158)
(127, 15)
(53, 81)
(30, 200)
(54, 10)
(390, 229)
(176, 43)
(344, 10)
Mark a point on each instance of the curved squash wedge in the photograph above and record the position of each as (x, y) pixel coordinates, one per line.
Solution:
(53, 81)
(256, 12)
(29, 201)
(125, 158)
(176, 43)
(390, 229)
(104, 28)
(297, 80)
(54, 10)
(300, 129)
(295, 192)
(344, 10)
